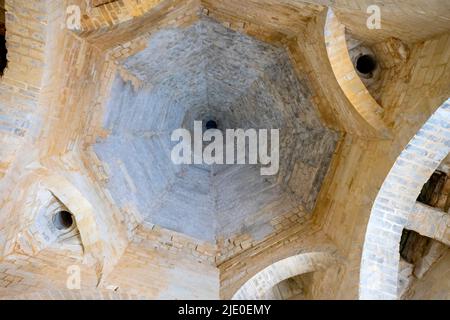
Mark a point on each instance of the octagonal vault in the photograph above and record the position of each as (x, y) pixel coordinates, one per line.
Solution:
(205, 72)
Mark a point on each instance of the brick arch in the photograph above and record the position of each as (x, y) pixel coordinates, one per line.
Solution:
(349, 81)
(259, 284)
(83, 211)
(100, 250)
(395, 202)
(102, 245)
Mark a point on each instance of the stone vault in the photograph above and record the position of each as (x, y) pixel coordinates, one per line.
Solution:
(203, 72)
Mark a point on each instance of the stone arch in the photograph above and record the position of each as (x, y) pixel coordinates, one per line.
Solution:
(102, 246)
(395, 202)
(96, 251)
(82, 210)
(349, 81)
(259, 284)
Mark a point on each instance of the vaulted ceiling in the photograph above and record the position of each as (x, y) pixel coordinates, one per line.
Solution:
(203, 72)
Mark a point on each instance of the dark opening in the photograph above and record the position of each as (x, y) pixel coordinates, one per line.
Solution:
(413, 246)
(3, 51)
(63, 220)
(211, 124)
(294, 288)
(432, 190)
(366, 64)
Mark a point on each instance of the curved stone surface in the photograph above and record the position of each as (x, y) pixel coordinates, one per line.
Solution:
(210, 72)
(257, 287)
(395, 203)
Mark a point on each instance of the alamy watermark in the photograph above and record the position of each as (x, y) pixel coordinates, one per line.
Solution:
(191, 150)
(74, 277)
(374, 20)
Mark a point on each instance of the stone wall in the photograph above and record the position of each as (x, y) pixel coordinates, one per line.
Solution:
(435, 284)
(159, 264)
(21, 83)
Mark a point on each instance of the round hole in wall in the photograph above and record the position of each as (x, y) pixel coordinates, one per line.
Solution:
(63, 220)
(211, 124)
(366, 64)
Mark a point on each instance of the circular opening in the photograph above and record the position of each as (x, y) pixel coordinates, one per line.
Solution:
(63, 220)
(211, 124)
(366, 64)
